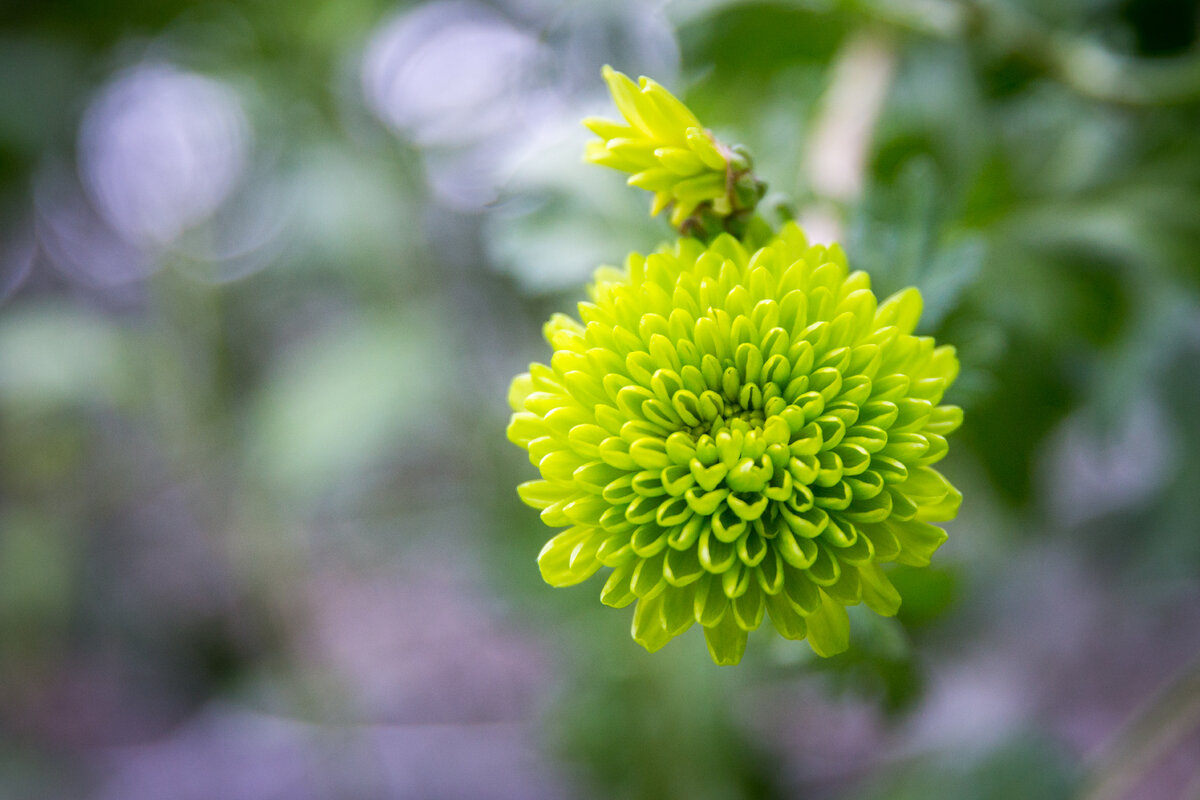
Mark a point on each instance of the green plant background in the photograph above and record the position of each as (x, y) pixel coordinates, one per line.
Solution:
(266, 270)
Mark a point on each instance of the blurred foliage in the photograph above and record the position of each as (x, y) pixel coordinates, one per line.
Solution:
(253, 478)
(1023, 767)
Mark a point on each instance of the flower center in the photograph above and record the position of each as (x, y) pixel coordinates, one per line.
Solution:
(734, 418)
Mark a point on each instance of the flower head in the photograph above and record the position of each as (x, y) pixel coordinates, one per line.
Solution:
(738, 435)
(668, 152)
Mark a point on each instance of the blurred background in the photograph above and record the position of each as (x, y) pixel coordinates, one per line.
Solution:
(266, 270)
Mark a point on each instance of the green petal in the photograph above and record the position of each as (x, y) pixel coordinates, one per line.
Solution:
(570, 557)
(799, 552)
(661, 125)
(617, 591)
(943, 511)
(524, 428)
(682, 567)
(607, 129)
(886, 545)
(625, 96)
(710, 605)
(925, 484)
(586, 510)
(726, 641)
(825, 570)
(903, 310)
(785, 618)
(736, 580)
(656, 179)
(560, 465)
(748, 608)
(698, 189)
(918, 541)
(770, 573)
(648, 629)
(647, 580)
(716, 556)
(658, 202)
(597, 476)
(614, 550)
(677, 609)
(521, 388)
(945, 363)
(679, 161)
(847, 589)
(801, 592)
(554, 515)
(878, 593)
(648, 540)
(937, 500)
(702, 145)
(543, 494)
(828, 628)
(678, 116)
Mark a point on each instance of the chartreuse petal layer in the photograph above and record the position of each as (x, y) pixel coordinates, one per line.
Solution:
(663, 147)
(738, 436)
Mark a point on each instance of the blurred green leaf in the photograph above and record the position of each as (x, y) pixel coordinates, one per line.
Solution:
(52, 354)
(752, 39)
(36, 583)
(1026, 766)
(562, 218)
(347, 397)
(927, 592)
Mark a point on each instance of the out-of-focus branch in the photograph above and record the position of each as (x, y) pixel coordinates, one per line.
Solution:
(1169, 717)
(835, 156)
(1077, 61)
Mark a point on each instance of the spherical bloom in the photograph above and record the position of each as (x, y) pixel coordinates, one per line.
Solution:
(669, 153)
(738, 435)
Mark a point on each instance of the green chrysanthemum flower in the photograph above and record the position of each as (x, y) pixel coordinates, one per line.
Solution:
(670, 154)
(737, 435)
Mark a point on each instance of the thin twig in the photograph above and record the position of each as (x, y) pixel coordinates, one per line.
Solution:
(1149, 735)
(835, 162)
